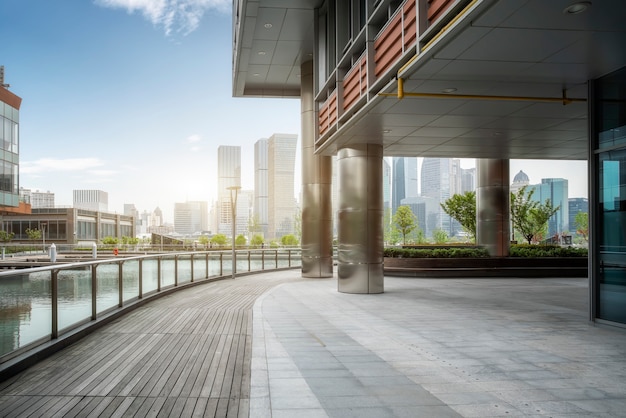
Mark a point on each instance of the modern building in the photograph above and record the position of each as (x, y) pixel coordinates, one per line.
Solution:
(441, 179)
(37, 198)
(281, 191)
(70, 225)
(520, 180)
(191, 217)
(228, 177)
(94, 200)
(576, 205)
(387, 182)
(261, 185)
(556, 192)
(468, 180)
(404, 180)
(487, 79)
(9, 155)
(426, 211)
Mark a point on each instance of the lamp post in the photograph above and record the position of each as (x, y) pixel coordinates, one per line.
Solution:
(233, 214)
(43, 235)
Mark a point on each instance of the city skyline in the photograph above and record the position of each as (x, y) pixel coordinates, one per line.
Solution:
(136, 105)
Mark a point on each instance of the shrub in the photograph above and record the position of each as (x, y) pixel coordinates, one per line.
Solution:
(526, 250)
(475, 252)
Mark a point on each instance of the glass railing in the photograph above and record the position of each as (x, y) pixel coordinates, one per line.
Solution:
(43, 303)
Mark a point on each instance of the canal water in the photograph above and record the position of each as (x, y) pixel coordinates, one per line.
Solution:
(26, 305)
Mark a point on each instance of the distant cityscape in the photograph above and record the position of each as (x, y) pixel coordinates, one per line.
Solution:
(271, 209)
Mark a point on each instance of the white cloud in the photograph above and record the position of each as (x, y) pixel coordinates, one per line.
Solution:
(172, 15)
(46, 165)
(194, 138)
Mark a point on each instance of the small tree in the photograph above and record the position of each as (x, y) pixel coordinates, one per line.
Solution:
(530, 217)
(582, 224)
(391, 235)
(462, 207)
(33, 234)
(240, 240)
(203, 240)
(289, 240)
(219, 239)
(110, 241)
(257, 240)
(405, 221)
(6, 237)
(440, 236)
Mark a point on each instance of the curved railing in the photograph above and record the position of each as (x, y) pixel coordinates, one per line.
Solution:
(42, 304)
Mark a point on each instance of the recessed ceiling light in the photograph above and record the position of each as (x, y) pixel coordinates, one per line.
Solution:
(578, 7)
(268, 26)
(386, 131)
(256, 74)
(449, 90)
(261, 52)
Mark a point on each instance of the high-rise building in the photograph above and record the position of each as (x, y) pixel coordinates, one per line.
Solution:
(555, 190)
(37, 198)
(468, 180)
(387, 181)
(404, 182)
(191, 217)
(9, 143)
(228, 175)
(261, 185)
(436, 180)
(95, 200)
(576, 205)
(281, 200)
(131, 210)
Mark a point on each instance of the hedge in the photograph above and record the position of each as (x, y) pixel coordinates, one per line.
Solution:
(516, 250)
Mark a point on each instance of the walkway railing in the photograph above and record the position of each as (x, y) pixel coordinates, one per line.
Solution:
(39, 305)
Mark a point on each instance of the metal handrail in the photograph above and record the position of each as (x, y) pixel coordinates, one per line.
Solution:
(181, 261)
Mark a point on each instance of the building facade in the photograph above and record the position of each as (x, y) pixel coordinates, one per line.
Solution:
(484, 79)
(281, 201)
(9, 142)
(261, 185)
(555, 191)
(191, 217)
(94, 200)
(576, 205)
(37, 198)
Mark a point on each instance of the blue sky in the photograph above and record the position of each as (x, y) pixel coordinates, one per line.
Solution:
(129, 102)
(133, 97)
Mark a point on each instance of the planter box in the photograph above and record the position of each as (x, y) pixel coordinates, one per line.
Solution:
(487, 267)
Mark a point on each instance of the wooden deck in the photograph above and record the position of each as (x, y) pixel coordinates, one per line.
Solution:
(187, 354)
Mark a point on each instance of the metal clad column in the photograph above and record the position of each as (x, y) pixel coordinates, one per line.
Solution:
(317, 214)
(360, 219)
(492, 206)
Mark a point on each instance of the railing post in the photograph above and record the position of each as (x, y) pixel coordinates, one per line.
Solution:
(289, 258)
(262, 259)
(221, 264)
(191, 267)
(206, 261)
(94, 292)
(55, 304)
(120, 283)
(249, 260)
(140, 278)
(175, 270)
(159, 274)
(276, 258)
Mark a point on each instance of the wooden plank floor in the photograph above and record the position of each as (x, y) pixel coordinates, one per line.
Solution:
(187, 354)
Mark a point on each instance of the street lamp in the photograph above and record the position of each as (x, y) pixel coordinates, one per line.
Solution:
(233, 214)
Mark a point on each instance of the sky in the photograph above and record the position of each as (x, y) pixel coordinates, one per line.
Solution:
(134, 97)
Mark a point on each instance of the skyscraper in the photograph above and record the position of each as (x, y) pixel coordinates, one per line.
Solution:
(556, 190)
(9, 157)
(404, 183)
(386, 185)
(261, 184)
(191, 217)
(228, 175)
(280, 173)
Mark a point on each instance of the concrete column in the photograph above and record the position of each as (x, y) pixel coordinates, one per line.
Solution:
(492, 206)
(317, 214)
(360, 219)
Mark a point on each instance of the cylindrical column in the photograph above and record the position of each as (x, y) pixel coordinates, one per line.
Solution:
(317, 214)
(492, 206)
(360, 219)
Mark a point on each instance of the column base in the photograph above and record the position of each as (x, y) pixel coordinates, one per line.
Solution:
(360, 278)
(317, 267)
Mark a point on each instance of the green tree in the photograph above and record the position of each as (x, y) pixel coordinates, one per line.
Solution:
(581, 220)
(289, 240)
(297, 224)
(219, 239)
(462, 207)
(203, 240)
(440, 236)
(257, 240)
(240, 240)
(391, 235)
(110, 241)
(405, 221)
(529, 217)
(33, 234)
(6, 236)
(130, 240)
